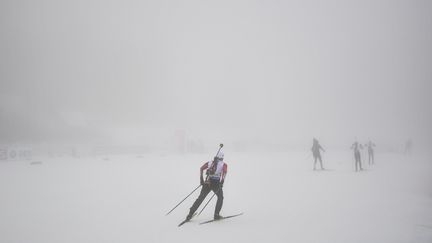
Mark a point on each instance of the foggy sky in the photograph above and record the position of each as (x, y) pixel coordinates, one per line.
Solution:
(279, 71)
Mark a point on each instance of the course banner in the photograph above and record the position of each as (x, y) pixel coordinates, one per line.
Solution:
(15, 154)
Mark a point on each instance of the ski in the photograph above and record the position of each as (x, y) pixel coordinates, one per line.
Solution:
(183, 222)
(227, 217)
(186, 220)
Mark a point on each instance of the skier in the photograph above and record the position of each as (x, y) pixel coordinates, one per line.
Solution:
(370, 146)
(216, 172)
(316, 153)
(356, 147)
(408, 147)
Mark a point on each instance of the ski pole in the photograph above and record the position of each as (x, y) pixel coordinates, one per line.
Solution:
(183, 200)
(207, 202)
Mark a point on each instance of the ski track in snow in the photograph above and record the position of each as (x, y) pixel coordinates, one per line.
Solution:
(125, 199)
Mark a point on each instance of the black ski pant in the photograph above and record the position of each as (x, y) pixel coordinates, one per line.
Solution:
(206, 188)
(371, 157)
(318, 157)
(358, 161)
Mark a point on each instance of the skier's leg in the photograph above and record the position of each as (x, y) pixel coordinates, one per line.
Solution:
(320, 159)
(315, 161)
(219, 203)
(204, 192)
(356, 162)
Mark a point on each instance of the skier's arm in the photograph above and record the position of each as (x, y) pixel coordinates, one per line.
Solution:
(203, 167)
(224, 172)
(321, 148)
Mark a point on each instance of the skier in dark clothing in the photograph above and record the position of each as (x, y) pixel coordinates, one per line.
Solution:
(356, 147)
(408, 147)
(216, 172)
(370, 146)
(316, 153)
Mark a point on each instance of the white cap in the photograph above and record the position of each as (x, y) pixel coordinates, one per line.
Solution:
(220, 155)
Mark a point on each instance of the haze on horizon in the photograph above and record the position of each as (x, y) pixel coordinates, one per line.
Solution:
(275, 71)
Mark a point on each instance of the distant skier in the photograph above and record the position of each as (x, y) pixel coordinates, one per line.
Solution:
(408, 147)
(356, 147)
(216, 172)
(370, 146)
(316, 153)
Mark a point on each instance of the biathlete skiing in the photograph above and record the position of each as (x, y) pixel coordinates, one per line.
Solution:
(216, 171)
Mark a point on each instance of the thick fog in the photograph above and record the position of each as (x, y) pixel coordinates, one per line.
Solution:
(109, 108)
(274, 73)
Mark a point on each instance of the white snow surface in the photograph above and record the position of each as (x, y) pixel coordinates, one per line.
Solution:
(125, 199)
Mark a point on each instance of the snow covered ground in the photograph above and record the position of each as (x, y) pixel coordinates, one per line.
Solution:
(125, 199)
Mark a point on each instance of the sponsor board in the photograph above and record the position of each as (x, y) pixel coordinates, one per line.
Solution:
(3, 154)
(14, 154)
